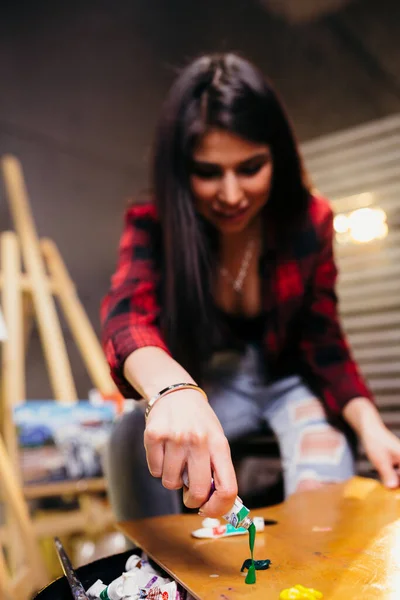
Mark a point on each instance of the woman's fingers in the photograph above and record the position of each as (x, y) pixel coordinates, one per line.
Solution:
(174, 462)
(386, 470)
(184, 432)
(225, 482)
(199, 474)
(383, 449)
(154, 445)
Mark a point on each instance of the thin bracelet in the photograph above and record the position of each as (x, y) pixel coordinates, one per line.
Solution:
(168, 390)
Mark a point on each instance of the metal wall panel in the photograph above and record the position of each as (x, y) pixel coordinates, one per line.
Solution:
(360, 168)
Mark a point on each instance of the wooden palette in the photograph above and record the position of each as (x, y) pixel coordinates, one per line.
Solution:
(343, 540)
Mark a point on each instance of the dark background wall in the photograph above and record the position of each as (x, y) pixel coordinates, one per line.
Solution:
(81, 84)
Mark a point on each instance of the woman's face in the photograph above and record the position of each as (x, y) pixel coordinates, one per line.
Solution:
(230, 179)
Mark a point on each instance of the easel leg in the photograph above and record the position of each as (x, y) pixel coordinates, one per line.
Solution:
(14, 498)
(48, 323)
(27, 315)
(77, 319)
(5, 579)
(13, 378)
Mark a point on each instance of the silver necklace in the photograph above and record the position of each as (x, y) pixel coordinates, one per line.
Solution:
(238, 281)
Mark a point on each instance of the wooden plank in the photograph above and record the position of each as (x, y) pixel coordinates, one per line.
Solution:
(381, 369)
(391, 418)
(390, 384)
(346, 155)
(356, 556)
(386, 401)
(351, 278)
(360, 163)
(341, 186)
(350, 201)
(377, 353)
(25, 282)
(385, 257)
(73, 522)
(64, 488)
(387, 200)
(370, 304)
(366, 340)
(345, 250)
(361, 322)
(382, 192)
(376, 288)
(356, 135)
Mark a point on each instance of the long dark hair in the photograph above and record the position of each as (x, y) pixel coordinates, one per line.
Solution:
(227, 92)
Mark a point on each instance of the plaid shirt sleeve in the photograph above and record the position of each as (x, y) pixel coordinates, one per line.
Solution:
(323, 343)
(129, 312)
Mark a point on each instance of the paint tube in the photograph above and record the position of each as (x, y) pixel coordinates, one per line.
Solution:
(133, 562)
(136, 565)
(113, 591)
(227, 530)
(128, 584)
(95, 590)
(238, 516)
(163, 592)
(140, 581)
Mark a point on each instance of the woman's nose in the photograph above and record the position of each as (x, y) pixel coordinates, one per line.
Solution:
(231, 191)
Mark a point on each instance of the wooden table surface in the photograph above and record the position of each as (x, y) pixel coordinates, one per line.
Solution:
(343, 539)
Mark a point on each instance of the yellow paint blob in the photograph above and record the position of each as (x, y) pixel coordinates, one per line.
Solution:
(299, 592)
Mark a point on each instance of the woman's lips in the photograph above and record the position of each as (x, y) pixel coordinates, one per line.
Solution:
(231, 216)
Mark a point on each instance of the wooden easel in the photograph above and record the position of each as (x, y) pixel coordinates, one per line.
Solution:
(28, 294)
(30, 573)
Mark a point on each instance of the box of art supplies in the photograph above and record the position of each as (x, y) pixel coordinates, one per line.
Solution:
(127, 575)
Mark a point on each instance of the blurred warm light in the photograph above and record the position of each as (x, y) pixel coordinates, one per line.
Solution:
(341, 223)
(367, 224)
(362, 225)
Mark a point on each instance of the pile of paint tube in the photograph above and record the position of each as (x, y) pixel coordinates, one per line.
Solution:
(139, 580)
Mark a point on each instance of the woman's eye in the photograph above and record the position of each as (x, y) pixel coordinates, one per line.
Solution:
(205, 173)
(250, 170)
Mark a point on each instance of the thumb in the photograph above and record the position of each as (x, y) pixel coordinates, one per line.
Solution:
(387, 473)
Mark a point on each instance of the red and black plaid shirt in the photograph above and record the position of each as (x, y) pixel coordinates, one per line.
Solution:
(301, 318)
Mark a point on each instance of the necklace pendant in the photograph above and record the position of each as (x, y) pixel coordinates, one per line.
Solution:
(237, 283)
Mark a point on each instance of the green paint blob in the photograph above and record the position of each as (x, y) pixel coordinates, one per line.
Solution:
(251, 574)
(260, 565)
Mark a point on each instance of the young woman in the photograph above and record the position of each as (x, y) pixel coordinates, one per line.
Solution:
(222, 313)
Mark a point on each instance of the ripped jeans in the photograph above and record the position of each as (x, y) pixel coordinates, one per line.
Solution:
(312, 450)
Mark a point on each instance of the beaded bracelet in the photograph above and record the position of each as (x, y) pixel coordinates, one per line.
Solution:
(172, 388)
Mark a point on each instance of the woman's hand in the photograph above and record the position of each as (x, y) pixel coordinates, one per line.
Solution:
(182, 429)
(381, 446)
(383, 450)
